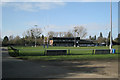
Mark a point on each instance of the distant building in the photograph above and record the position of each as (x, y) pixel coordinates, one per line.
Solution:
(84, 42)
(70, 41)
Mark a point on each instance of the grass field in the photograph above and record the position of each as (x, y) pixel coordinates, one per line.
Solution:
(76, 53)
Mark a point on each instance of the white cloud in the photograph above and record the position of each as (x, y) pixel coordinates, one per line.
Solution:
(59, 0)
(46, 5)
(24, 6)
(28, 6)
(92, 29)
(11, 32)
(99, 0)
(32, 0)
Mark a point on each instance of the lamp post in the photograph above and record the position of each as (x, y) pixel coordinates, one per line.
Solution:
(35, 34)
(75, 36)
(110, 47)
(44, 40)
(46, 36)
(74, 41)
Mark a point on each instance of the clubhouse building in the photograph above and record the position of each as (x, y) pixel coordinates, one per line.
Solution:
(70, 41)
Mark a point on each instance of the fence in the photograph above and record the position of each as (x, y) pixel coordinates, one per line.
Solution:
(43, 52)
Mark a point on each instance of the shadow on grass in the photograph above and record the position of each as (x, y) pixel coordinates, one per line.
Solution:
(13, 54)
(32, 54)
(42, 54)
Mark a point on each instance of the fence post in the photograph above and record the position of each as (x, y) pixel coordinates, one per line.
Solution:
(93, 52)
(44, 52)
(68, 51)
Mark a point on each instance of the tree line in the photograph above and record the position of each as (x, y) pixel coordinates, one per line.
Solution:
(29, 36)
(105, 40)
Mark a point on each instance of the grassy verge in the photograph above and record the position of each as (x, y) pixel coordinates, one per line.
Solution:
(36, 53)
(72, 57)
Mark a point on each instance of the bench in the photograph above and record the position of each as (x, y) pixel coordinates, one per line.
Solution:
(55, 52)
(101, 51)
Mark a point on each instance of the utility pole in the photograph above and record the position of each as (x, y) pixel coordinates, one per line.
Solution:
(75, 36)
(46, 37)
(47, 42)
(74, 41)
(111, 27)
(35, 34)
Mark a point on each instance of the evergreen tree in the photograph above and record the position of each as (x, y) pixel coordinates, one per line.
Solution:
(95, 37)
(101, 39)
(90, 37)
(101, 34)
(108, 39)
(42, 36)
(117, 40)
(5, 41)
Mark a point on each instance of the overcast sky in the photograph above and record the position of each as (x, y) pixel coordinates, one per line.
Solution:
(17, 17)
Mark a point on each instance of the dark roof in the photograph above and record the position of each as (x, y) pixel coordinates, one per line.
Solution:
(86, 41)
(65, 38)
(71, 39)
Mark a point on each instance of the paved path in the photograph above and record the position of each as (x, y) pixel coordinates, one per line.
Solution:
(17, 68)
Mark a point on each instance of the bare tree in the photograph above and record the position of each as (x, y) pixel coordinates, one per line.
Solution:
(17, 40)
(64, 33)
(75, 31)
(33, 32)
(11, 37)
(68, 34)
(80, 31)
(60, 34)
(51, 34)
(56, 34)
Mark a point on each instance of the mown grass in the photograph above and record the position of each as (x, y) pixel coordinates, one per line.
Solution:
(72, 57)
(76, 53)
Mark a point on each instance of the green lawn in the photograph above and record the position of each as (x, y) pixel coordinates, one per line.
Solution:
(77, 53)
(72, 57)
